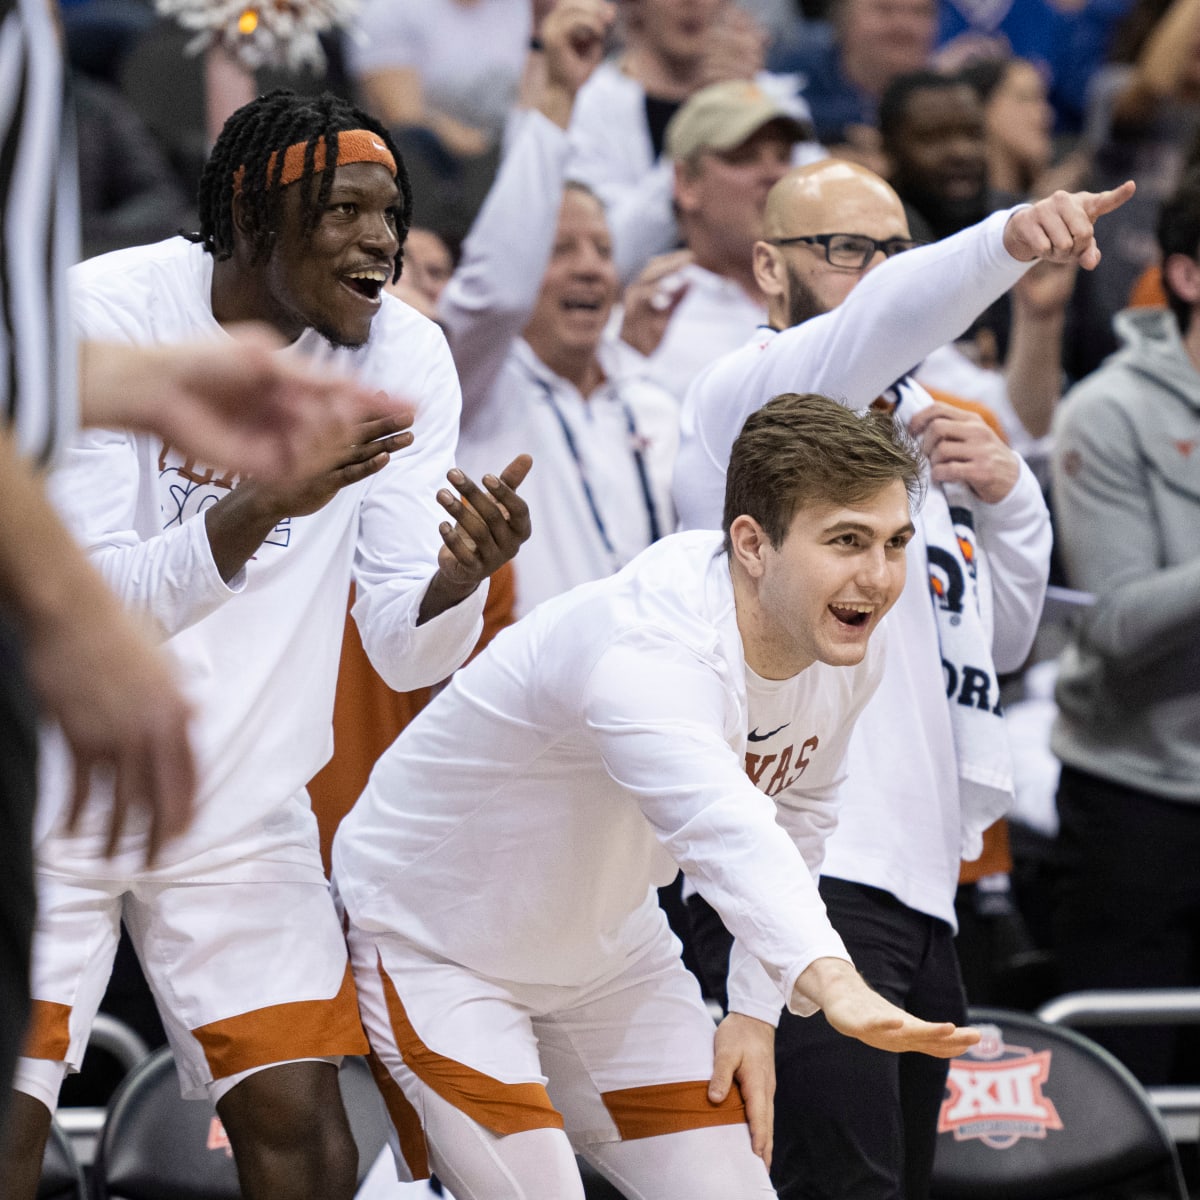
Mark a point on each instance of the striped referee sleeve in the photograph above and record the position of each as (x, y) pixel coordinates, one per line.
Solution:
(39, 232)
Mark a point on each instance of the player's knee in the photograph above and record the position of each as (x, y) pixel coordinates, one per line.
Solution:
(292, 1114)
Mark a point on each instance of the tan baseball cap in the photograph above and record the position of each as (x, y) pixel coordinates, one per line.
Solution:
(723, 115)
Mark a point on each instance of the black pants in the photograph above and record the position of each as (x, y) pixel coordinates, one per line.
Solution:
(851, 1121)
(1127, 910)
(18, 793)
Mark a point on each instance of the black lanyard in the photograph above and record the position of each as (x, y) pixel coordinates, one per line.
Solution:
(639, 463)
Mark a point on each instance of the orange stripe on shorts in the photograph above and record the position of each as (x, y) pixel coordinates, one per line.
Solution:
(404, 1118)
(641, 1112)
(501, 1107)
(283, 1032)
(48, 1034)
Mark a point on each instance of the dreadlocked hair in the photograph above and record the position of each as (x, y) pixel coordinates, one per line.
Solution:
(269, 125)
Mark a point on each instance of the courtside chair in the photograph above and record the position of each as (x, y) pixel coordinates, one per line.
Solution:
(157, 1146)
(62, 1176)
(1040, 1112)
(595, 1186)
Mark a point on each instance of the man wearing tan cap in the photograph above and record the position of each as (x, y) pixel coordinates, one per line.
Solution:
(729, 143)
(670, 51)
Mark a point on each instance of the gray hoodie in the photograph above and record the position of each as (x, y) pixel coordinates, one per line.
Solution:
(1127, 505)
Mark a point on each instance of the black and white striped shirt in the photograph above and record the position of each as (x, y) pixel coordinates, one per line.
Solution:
(39, 211)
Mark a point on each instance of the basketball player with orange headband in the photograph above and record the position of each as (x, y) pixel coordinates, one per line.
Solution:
(304, 206)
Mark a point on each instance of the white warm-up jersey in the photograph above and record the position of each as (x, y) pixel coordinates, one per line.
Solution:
(520, 824)
(901, 825)
(258, 657)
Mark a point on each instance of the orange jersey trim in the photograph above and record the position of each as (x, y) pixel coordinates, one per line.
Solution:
(407, 1124)
(500, 1107)
(641, 1112)
(283, 1032)
(48, 1034)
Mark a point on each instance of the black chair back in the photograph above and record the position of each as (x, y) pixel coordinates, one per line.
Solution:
(62, 1177)
(1040, 1112)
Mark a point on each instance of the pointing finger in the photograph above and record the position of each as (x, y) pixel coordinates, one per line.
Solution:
(1096, 204)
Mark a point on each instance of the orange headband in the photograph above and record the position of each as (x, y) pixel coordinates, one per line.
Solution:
(353, 145)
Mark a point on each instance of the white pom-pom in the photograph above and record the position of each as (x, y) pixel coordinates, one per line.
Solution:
(277, 33)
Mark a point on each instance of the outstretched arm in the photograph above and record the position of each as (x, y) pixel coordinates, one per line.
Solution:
(924, 299)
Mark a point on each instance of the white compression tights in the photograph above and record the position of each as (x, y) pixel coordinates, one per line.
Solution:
(699, 1164)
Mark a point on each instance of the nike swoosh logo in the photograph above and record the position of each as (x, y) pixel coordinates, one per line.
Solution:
(755, 736)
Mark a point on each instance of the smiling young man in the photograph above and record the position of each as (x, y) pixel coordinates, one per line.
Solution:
(304, 206)
(519, 984)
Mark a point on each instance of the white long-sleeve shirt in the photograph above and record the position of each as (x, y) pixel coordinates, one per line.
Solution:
(901, 825)
(590, 502)
(258, 656)
(519, 825)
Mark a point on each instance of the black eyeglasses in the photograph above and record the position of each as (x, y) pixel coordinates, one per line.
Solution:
(851, 250)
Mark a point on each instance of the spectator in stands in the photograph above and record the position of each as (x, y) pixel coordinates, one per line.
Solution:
(128, 191)
(1018, 123)
(428, 265)
(935, 133)
(1127, 509)
(847, 65)
(525, 313)
(672, 49)
(451, 67)
(99, 33)
(934, 136)
(1065, 40)
(1143, 117)
(443, 75)
(729, 143)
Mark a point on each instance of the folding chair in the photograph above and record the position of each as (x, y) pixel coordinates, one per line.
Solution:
(62, 1177)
